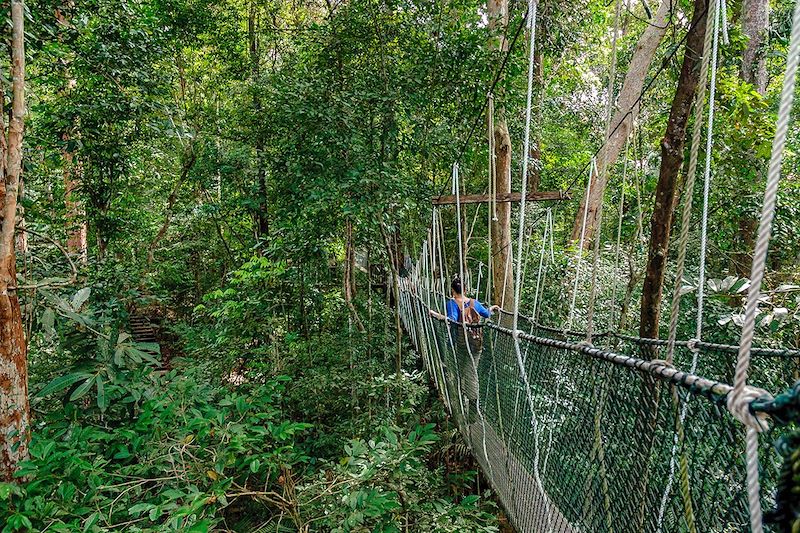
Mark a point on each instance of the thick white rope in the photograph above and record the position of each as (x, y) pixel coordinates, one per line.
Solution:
(604, 169)
(686, 214)
(740, 398)
(532, 6)
(579, 252)
(457, 187)
(621, 214)
(492, 161)
(712, 92)
(450, 339)
(545, 233)
(710, 48)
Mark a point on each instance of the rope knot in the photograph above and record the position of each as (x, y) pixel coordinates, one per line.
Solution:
(739, 406)
(692, 344)
(661, 363)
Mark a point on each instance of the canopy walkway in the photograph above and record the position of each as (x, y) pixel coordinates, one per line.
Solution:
(605, 432)
(591, 439)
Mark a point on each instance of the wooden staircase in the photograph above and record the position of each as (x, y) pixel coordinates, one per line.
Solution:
(142, 331)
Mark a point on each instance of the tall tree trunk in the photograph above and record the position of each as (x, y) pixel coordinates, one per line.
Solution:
(14, 407)
(349, 278)
(188, 160)
(261, 229)
(627, 110)
(755, 26)
(503, 282)
(672, 150)
(75, 214)
(391, 251)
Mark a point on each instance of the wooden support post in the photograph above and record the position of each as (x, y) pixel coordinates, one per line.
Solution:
(537, 196)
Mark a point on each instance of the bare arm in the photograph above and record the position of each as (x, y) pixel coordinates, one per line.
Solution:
(434, 314)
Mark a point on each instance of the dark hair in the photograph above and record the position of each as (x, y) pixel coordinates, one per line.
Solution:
(456, 286)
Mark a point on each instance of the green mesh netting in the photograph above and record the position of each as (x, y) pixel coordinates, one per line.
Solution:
(604, 448)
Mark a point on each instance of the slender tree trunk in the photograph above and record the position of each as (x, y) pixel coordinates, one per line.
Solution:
(394, 280)
(755, 26)
(75, 214)
(503, 282)
(261, 214)
(672, 150)
(189, 158)
(348, 278)
(14, 407)
(622, 121)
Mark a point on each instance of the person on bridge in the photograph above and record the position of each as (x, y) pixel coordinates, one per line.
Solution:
(466, 341)
(461, 309)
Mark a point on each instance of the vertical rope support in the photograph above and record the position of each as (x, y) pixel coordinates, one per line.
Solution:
(701, 292)
(686, 214)
(579, 252)
(604, 170)
(621, 213)
(532, 6)
(739, 397)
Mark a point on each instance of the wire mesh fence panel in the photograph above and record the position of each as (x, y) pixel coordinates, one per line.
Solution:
(591, 440)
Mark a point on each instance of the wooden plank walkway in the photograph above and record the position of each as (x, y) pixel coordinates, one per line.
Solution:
(528, 507)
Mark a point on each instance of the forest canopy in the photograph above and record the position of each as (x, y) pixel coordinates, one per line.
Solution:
(210, 208)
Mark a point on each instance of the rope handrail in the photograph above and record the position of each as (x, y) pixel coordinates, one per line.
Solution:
(702, 345)
(553, 405)
(714, 390)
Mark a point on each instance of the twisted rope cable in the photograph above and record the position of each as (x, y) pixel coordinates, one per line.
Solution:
(711, 40)
(532, 7)
(686, 214)
(740, 395)
(701, 283)
(579, 252)
(457, 187)
(604, 170)
(614, 286)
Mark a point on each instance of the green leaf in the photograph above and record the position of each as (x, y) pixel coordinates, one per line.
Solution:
(61, 383)
(7, 489)
(101, 393)
(81, 391)
(48, 322)
(91, 521)
(139, 508)
(470, 500)
(80, 298)
(255, 465)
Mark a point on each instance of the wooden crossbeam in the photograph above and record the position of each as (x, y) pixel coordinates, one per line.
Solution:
(538, 196)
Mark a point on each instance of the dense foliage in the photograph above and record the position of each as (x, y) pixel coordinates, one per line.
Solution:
(249, 174)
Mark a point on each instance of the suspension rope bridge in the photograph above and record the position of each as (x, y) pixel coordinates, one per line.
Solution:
(583, 430)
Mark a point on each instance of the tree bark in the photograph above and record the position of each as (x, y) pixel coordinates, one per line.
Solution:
(261, 229)
(622, 121)
(348, 278)
(14, 407)
(189, 158)
(755, 26)
(391, 251)
(672, 148)
(75, 214)
(503, 282)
